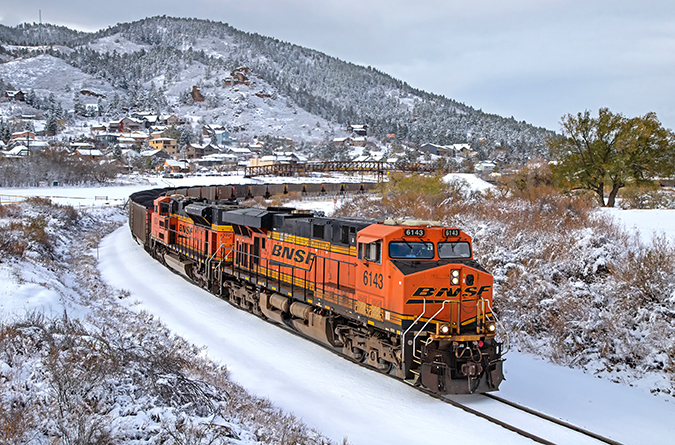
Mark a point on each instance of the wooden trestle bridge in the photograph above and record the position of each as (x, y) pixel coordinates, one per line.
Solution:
(373, 167)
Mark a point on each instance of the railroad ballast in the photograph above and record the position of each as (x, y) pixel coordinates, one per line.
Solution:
(403, 297)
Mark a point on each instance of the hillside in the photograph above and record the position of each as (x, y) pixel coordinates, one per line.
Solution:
(289, 91)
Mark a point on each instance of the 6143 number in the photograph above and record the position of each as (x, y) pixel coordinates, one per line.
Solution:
(373, 279)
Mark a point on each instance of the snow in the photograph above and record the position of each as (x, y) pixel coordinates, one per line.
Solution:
(473, 182)
(329, 393)
(80, 197)
(19, 299)
(648, 223)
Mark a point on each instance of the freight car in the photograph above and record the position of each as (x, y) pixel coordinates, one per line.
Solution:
(403, 297)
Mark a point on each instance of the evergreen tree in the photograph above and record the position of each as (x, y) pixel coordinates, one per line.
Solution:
(78, 105)
(52, 126)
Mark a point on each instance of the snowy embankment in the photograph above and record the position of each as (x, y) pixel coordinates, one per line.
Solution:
(326, 392)
(78, 367)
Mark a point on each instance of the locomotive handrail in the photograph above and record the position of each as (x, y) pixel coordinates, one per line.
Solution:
(424, 310)
(427, 322)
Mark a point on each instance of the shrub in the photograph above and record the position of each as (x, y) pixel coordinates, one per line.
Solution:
(647, 197)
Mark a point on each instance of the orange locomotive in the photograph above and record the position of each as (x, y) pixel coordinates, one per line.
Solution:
(405, 297)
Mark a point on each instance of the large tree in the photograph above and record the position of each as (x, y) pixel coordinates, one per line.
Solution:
(611, 151)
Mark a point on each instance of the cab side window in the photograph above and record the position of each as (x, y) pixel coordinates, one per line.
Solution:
(370, 252)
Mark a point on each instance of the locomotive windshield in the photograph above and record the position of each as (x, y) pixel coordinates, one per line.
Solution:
(459, 249)
(411, 250)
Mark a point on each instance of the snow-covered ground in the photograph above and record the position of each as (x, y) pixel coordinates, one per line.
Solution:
(117, 195)
(331, 394)
(647, 222)
(342, 399)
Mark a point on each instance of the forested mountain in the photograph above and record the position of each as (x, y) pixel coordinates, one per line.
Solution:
(153, 63)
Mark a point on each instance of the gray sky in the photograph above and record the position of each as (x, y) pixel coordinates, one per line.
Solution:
(535, 60)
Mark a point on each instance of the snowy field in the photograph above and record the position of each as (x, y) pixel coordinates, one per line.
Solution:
(647, 223)
(329, 393)
(80, 197)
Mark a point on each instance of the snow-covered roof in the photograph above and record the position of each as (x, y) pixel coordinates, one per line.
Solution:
(87, 152)
(149, 153)
(130, 152)
(175, 163)
(17, 150)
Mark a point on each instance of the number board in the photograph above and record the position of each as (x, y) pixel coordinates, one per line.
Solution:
(413, 232)
(451, 232)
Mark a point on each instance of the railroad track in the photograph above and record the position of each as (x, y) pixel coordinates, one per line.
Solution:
(562, 432)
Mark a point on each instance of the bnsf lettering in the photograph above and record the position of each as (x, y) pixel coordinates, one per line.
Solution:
(449, 291)
(424, 292)
(297, 255)
(185, 229)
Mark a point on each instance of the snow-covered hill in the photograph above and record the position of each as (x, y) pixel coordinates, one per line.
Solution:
(305, 95)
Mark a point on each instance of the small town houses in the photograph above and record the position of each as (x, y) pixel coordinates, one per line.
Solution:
(145, 140)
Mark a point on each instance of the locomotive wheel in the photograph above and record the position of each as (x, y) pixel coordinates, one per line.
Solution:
(376, 362)
(356, 354)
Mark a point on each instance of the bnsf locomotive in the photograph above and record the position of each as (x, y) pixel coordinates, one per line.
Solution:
(405, 297)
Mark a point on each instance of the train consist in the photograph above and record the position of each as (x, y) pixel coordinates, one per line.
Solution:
(403, 297)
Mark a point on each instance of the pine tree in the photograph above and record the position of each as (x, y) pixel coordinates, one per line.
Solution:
(78, 105)
(52, 126)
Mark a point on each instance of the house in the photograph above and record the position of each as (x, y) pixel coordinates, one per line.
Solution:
(359, 141)
(217, 133)
(169, 145)
(107, 139)
(374, 156)
(17, 152)
(243, 153)
(358, 130)
(89, 154)
(32, 144)
(345, 142)
(16, 95)
(148, 118)
(485, 167)
(218, 159)
(23, 135)
(74, 146)
(171, 120)
(174, 166)
(129, 153)
(465, 151)
(157, 157)
(196, 151)
(277, 158)
(440, 150)
(128, 124)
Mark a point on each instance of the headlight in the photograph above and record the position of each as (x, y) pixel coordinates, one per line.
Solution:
(491, 327)
(454, 277)
(444, 329)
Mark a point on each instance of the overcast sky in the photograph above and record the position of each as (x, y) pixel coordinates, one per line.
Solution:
(535, 60)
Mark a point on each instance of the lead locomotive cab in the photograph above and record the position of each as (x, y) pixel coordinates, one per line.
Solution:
(425, 274)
